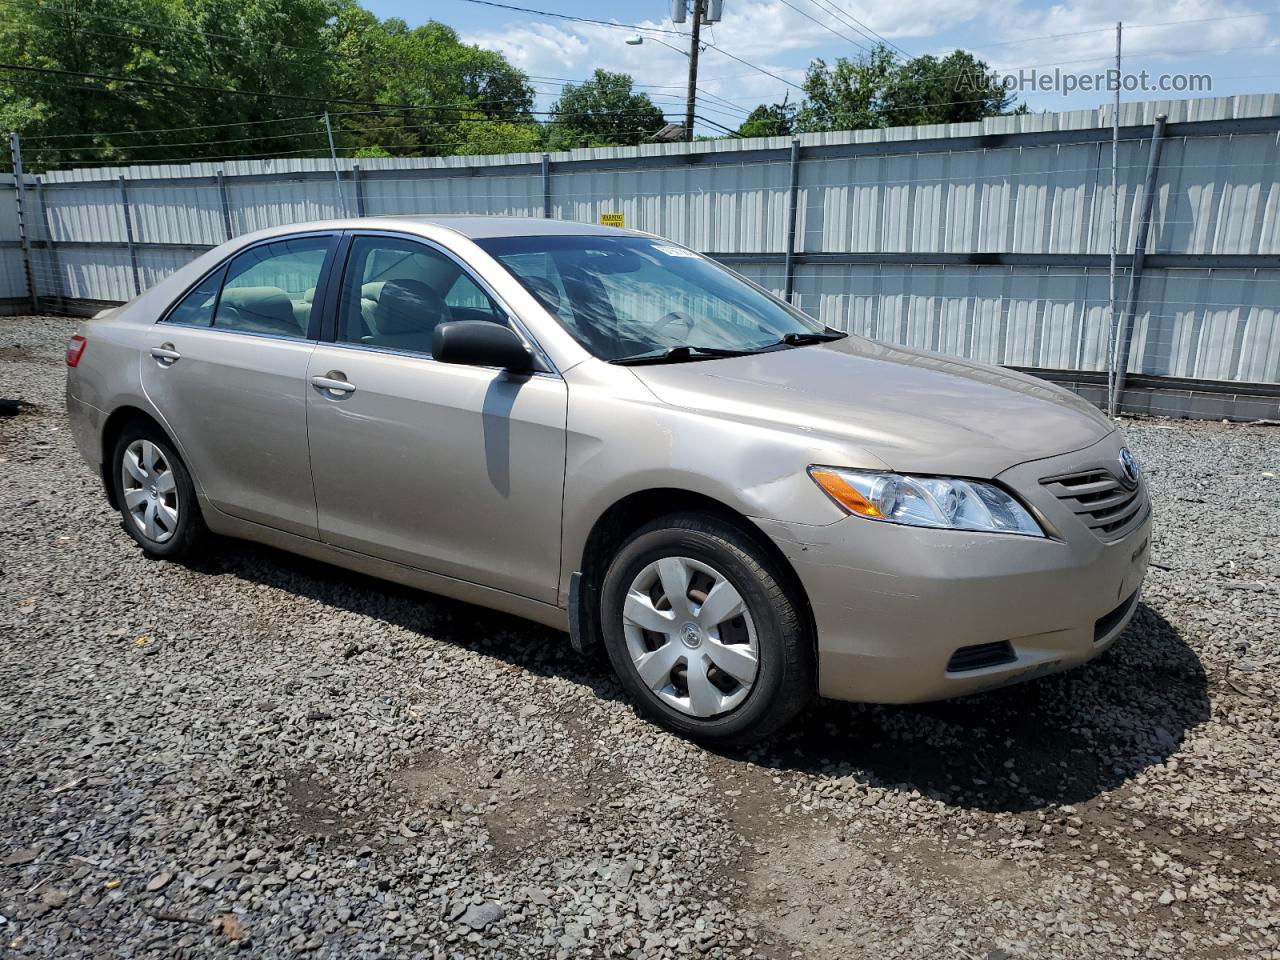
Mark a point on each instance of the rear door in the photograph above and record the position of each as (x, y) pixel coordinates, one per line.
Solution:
(454, 469)
(227, 367)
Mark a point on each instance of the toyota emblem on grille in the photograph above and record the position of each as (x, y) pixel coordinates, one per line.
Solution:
(1130, 471)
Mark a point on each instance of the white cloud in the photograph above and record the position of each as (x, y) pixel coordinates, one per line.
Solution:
(775, 36)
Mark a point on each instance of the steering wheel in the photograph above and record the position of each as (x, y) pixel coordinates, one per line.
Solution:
(675, 316)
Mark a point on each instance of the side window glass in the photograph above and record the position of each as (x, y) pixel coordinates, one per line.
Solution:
(271, 288)
(396, 292)
(196, 308)
(466, 301)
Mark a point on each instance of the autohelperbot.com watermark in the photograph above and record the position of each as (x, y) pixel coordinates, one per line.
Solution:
(1034, 80)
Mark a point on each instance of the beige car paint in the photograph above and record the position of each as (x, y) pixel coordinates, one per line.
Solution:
(485, 486)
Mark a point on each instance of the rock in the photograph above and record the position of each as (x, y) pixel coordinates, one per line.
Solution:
(159, 882)
(19, 858)
(479, 916)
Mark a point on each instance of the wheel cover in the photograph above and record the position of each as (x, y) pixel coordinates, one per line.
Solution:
(690, 636)
(150, 490)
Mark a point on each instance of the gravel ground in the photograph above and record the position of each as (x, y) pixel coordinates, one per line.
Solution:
(262, 754)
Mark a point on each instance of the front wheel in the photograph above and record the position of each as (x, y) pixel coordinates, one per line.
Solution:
(705, 631)
(155, 494)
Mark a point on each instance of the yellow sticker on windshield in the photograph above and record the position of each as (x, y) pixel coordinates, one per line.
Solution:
(612, 220)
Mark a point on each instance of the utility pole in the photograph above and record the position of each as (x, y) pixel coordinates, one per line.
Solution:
(693, 68)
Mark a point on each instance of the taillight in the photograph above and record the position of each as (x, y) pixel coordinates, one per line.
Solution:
(75, 349)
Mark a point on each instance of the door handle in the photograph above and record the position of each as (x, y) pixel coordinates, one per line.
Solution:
(166, 354)
(334, 383)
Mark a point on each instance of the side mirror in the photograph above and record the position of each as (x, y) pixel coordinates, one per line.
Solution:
(481, 343)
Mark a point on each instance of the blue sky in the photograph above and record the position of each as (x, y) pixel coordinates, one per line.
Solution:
(1236, 43)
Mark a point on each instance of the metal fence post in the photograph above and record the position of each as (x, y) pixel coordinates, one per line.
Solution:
(793, 196)
(128, 236)
(1124, 334)
(358, 182)
(19, 184)
(546, 185)
(337, 175)
(226, 205)
(55, 262)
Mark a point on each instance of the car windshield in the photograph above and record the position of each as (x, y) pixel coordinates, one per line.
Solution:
(629, 297)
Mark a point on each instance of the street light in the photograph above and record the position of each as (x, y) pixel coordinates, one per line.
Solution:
(637, 40)
(699, 9)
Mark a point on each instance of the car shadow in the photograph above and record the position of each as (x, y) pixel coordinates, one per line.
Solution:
(1062, 739)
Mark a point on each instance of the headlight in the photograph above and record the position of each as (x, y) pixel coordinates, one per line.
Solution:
(926, 501)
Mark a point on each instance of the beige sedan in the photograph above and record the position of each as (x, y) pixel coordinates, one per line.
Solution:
(606, 432)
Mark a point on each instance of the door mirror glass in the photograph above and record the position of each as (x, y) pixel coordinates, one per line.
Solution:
(479, 343)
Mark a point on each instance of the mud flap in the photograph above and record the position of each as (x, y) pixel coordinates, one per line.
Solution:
(584, 628)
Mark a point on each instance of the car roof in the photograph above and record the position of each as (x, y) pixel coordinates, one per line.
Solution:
(478, 227)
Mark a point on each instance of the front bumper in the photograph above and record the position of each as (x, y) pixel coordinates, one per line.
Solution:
(892, 604)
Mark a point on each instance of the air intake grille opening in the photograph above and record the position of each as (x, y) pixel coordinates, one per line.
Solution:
(1108, 622)
(1107, 507)
(981, 655)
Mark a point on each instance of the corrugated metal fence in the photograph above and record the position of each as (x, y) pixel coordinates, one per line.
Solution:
(987, 240)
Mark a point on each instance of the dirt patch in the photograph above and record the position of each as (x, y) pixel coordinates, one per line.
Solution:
(520, 809)
(831, 893)
(315, 807)
(17, 353)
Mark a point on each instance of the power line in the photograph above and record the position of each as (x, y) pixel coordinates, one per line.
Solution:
(175, 85)
(632, 26)
(845, 17)
(565, 16)
(830, 29)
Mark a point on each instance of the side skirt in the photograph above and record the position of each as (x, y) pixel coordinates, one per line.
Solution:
(463, 590)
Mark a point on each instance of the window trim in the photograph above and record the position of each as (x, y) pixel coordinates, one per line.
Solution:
(314, 324)
(329, 331)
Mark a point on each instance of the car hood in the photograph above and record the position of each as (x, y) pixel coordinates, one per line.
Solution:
(912, 410)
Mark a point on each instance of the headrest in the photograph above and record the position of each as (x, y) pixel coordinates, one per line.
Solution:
(270, 302)
(409, 306)
(371, 290)
(310, 295)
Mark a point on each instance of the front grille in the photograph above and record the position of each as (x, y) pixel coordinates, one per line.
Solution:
(1097, 497)
(981, 655)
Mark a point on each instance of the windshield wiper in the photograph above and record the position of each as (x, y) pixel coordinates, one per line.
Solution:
(801, 339)
(679, 354)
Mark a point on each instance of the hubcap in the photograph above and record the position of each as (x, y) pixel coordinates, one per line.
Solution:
(150, 493)
(690, 636)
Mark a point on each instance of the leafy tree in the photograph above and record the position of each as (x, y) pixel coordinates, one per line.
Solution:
(497, 136)
(770, 120)
(432, 82)
(439, 92)
(602, 111)
(877, 90)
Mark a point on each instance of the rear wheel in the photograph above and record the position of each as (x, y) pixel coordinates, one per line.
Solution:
(705, 632)
(155, 494)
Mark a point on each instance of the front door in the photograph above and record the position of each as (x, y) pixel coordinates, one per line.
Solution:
(453, 469)
(227, 370)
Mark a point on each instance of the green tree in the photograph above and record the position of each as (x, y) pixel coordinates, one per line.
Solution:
(770, 120)
(878, 90)
(439, 93)
(602, 111)
(439, 90)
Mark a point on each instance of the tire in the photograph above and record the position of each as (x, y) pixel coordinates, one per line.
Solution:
(772, 625)
(151, 489)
